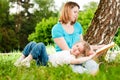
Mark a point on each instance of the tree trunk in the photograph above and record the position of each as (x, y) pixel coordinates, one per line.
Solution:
(105, 23)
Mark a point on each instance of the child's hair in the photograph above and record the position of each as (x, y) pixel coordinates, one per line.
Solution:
(86, 48)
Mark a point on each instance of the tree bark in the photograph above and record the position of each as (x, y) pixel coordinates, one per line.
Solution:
(105, 23)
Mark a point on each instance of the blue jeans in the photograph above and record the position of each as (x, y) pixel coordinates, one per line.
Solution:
(38, 52)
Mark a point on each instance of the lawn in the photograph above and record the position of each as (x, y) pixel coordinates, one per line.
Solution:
(108, 71)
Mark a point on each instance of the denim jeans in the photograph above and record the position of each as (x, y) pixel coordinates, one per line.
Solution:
(38, 52)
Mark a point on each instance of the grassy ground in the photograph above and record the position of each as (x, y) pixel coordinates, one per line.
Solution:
(108, 71)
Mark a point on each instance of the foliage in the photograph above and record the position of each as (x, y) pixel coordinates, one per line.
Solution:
(91, 5)
(113, 54)
(108, 71)
(3, 11)
(117, 37)
(85, 19)
(43, 31)
(87, 14)
(22, 24)
(8, 39)
(46, 9)
(28, 24)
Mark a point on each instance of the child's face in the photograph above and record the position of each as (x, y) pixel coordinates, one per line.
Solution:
(77, 49)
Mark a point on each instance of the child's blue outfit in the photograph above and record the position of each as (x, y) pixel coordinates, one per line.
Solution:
(38, 52)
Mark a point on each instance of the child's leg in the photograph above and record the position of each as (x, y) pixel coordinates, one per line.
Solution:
(18, 61)
(39, 53)
(28, 48)
(26, 61)
(25, 53)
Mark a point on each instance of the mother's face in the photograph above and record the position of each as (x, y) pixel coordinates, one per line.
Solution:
(74, 13)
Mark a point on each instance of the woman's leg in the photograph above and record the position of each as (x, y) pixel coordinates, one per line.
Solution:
(91, 66)
(79, 69)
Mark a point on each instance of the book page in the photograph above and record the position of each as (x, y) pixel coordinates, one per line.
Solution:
(106, 47)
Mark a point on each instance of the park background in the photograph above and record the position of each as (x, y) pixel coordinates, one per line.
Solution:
(28, 24)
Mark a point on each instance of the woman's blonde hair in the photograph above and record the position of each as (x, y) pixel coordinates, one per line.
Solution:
(65, 13)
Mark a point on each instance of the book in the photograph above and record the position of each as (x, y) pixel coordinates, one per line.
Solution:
(106, 47)
(101, 51)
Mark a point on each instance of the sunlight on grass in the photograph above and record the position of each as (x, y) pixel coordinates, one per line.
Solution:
(113, 54)
(50, 49)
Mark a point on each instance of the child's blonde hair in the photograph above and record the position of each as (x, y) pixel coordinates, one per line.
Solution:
(87, 48)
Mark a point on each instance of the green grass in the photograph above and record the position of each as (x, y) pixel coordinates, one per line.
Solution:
(108, 71)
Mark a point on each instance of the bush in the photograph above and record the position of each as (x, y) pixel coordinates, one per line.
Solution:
(117, 37)
(43, 31)
(8, 39)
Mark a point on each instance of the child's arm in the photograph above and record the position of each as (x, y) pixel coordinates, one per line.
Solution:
(106, 47)
(82, 59)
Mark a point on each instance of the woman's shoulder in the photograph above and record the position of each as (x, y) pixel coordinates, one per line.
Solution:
(77, 24)
(57, 27)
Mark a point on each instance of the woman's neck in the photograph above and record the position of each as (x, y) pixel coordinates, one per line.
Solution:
(68, 28)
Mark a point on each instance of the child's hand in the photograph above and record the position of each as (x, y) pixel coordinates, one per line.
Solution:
(100, 46)
(90, 53)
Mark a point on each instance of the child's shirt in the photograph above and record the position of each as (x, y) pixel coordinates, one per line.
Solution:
(60, 58)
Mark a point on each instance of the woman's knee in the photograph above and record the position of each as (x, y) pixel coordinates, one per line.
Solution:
(79, 69)
(91, 65)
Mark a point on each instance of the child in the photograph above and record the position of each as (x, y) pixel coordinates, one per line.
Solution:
(79, 53)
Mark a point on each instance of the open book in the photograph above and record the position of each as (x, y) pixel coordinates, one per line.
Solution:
(103, 49)
(106, 47)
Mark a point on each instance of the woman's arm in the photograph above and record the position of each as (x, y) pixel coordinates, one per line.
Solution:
(61, 43)
(81, 37)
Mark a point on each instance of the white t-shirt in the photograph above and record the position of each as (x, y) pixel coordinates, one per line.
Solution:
(60, 58)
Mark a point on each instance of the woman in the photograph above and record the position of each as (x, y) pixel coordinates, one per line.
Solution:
(68, 31)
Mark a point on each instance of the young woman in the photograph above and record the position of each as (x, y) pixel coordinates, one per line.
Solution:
(68, 31)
